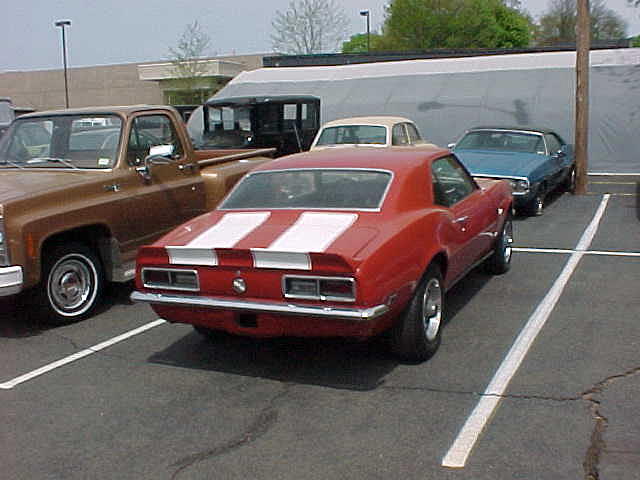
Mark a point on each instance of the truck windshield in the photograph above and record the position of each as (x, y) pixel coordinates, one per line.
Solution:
(62, 141)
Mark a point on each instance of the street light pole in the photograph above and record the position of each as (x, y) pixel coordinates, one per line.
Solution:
(62, 24)
(365, 13)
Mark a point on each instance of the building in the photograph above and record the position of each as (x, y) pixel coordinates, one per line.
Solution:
(125, 84)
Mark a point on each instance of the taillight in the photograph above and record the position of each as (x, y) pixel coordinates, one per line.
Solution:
(337, 289)
(170, 279)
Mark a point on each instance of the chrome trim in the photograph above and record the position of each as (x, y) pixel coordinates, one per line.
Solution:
(356, 314)
(170, 286)
(11, 280)
(319, 297)
(507, 177)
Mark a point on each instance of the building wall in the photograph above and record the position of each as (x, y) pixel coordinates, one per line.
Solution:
(91, 86)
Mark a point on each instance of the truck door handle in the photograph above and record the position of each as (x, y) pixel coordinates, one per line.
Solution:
(184, 166)
(112, 188)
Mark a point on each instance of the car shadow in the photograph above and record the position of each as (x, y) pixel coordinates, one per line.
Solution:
(335, 363)
(19, 318)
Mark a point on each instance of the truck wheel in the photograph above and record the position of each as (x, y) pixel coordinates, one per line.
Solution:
(72, 284)
(417, 335)
(500, 260)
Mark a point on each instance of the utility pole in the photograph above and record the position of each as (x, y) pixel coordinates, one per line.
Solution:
(583, 45)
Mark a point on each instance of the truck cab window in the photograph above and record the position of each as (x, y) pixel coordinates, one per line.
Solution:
(148, 131)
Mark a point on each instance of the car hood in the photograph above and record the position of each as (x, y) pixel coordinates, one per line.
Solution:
(275, 235)
(492, 163)
(16, 183)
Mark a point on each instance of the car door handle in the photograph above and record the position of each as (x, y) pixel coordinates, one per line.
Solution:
(184, 166)
(462, 221)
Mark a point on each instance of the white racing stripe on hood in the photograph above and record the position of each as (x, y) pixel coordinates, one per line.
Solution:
(228, 231)
(313, 232)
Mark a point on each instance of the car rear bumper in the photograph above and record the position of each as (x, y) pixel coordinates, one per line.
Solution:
(11, 280)
(272, 308)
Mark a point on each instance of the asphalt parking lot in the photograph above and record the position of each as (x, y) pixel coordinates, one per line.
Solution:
(537, 378)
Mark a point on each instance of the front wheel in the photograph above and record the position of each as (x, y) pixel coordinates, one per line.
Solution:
(535, 208)
(73, 284)
(417, 335)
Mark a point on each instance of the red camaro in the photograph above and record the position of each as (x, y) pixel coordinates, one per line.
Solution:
(346, 243)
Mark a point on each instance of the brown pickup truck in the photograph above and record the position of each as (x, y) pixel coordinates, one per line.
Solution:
(82, 189)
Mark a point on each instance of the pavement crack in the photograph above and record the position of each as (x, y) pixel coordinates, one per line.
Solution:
(260, 425)
(597, 445)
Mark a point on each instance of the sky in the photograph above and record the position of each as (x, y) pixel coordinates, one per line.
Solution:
(129, 31)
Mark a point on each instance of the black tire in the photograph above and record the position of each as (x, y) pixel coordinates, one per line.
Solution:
(72, 284)
(535, 207)
(416, 336)
(569, 184)
(208, 333)
(500, 260)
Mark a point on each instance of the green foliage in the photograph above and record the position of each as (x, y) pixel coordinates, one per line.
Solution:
(635, 41)
(358, 43)
(429, 24)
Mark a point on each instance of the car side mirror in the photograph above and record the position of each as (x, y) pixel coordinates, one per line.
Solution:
(451, 146)
(160, 155)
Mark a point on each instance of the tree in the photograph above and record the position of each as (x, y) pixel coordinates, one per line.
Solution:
(358, 43)
(190, 86)
(309, 26)
(428, 24)
(558, 24)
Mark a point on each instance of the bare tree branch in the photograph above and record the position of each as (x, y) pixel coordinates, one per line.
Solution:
(309, 26)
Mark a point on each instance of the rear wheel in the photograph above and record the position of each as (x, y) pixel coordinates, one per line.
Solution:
(569, 184)
(500, 260)
(72, 286)
(417, 335)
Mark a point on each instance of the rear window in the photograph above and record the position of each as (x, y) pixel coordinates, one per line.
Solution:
(353, 135)
(310, 189)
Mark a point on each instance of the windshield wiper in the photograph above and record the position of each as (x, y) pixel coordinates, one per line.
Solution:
(66, 163)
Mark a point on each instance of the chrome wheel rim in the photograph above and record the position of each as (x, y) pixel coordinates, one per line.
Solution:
(507, 240)
(71, 285)
(539, 204)
(432, 309)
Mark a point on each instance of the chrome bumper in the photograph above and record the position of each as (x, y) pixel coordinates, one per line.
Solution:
(10, 280)
(337, 313)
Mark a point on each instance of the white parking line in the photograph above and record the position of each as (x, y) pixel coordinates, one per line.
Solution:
(77, 356)
(459, 452)
(567, 251)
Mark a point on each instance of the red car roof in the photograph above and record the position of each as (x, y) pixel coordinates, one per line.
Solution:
(394, 158)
